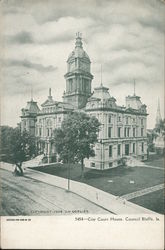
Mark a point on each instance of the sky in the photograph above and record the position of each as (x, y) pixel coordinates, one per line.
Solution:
(126, 37)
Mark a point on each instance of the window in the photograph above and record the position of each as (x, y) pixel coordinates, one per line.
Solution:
(126, 149)
(134, 132)
(110, 119)
(127, 120)
(110, 151)
(59, 119)
(119, 149)
(128, 129)
(47, 131)
(141, 131)
(133, 148)
(39, 131)
(109, 132)
(119, 118)
(92, 165)
(119, 132)
(70, 85)
(110, 164)
(141, 121)
(125, 130)
(142, 147)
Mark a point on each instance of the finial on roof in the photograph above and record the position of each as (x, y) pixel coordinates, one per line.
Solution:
(134, 87)
(101, 76)
(31, 93)
(50, 92)
(78, 35)
(78, 40)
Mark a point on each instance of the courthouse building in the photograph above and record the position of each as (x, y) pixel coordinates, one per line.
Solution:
(123, 128)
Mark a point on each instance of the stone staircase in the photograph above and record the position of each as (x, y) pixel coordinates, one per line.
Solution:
(33, 162)
(133, 162)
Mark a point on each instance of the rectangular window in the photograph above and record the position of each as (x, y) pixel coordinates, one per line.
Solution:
(109, 132)
(39, 131)
(92, 164)
(125, 130)
(134, 132)
(141, 131)
(127, 120)
(119, 118)
(119, 149)
(126, 149)
(110, 151)
(133, 148)
(110, 164)
(110, 119)
(142, 147)
(119, 132)
(128, 132)
(141, 121)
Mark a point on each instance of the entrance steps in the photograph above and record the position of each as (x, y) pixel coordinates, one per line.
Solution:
(33, 162)
(133, 162)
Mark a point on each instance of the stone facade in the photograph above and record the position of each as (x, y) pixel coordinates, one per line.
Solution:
(123, 129)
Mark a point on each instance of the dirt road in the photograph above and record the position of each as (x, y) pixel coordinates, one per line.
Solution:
(26, 196)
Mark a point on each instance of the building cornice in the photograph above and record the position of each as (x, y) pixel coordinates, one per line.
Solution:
(117, 111)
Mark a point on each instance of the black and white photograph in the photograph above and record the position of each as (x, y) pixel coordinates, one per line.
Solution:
(82, 109)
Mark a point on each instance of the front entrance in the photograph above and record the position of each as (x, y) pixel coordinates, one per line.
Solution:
(126, 149)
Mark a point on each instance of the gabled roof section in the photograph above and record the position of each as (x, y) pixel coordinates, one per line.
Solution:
(49, 101)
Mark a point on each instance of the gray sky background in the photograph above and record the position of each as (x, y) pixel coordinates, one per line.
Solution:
(125, 36)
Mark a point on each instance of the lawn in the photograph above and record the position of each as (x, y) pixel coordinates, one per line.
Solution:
(117, 181)
(157, 203)
(156, 161)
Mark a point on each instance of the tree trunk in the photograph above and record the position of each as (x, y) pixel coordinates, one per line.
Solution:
(68, 175)
(82, 168)
(19, 165)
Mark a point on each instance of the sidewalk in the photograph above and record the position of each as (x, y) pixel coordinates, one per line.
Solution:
(103, 199)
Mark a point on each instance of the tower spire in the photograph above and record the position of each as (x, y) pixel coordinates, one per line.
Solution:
(158, 114)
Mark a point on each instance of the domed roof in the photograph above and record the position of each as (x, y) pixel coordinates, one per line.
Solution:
(101, 92)
(78, 51)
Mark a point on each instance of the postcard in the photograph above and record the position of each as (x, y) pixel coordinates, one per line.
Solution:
(82, 124)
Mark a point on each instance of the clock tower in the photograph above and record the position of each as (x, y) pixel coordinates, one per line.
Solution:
(78, 76)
